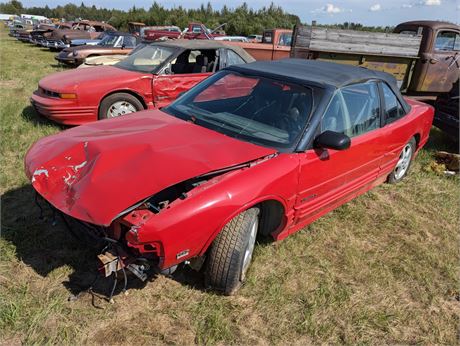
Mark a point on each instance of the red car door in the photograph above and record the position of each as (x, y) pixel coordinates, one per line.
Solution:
(395, 132)
(166, 88)
(329, 177)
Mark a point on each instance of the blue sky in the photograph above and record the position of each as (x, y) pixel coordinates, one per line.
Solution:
(375, 12)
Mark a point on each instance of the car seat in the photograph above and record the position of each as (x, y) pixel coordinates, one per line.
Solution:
(201, 64)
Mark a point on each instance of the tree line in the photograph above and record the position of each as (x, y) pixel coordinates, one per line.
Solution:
(241, 20)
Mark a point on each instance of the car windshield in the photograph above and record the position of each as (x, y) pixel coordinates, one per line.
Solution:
(147, 59)
(256, 109)
(108, 40)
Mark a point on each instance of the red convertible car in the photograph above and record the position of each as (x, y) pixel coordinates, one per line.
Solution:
(150, 77)
(257, 149)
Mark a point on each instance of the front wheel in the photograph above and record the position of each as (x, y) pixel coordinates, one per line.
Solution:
(119, 104)
(404, 162)
(231, 252)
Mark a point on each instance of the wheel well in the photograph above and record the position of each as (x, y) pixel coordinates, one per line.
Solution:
(417, 140)
(141, 100)
(271, 216)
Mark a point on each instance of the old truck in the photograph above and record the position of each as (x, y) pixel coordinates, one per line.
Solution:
(422, 55)
(154, 33)
(275, 44)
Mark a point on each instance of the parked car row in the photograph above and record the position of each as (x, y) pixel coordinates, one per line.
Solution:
(59, 36)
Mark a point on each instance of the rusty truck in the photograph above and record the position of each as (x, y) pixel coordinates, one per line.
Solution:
(422, 55)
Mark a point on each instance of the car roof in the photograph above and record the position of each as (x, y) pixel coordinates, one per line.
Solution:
(205, 44)
(314, 71)
(435, 24)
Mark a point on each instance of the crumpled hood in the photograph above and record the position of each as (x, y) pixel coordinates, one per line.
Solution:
(94, 172)
(63, 81)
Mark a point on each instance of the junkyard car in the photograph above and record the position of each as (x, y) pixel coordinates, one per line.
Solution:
(43, 33)
(112, 43)
(61, 38)
(257, 149)
(151, 77)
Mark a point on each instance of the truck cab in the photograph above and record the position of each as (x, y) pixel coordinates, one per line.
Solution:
(276, 44)
(437, 68)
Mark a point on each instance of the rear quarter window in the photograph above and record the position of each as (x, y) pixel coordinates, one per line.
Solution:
(393, 109)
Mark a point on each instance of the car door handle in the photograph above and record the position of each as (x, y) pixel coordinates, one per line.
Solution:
(433, 61)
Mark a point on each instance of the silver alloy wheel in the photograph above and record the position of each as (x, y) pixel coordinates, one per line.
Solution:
(120, 108)
(404, 161)
(250, 247)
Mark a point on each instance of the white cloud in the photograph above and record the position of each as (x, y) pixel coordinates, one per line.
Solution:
(375, 7)
(406, 5)
(329, 9)
(431, 2)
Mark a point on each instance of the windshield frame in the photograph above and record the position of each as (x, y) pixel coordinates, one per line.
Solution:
(175, 52)
(316, 94)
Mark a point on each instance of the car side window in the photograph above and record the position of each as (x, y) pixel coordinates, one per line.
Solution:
(353, 110)
(335, 118)
(285, 39)
(363, 105)
(447, 41)
(129, 41)
(196, 61)
(233, 58)
(393, 109)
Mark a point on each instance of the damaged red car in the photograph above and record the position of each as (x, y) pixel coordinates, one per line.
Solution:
(151, 77)
(261, 149)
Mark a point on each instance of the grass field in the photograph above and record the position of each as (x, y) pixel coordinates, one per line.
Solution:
(382, 269)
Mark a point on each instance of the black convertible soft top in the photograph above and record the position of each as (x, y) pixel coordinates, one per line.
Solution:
(315, 71)
(320, 73)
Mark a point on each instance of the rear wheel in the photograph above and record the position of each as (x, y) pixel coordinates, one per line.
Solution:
(119, 104)
(404, 162)
(231, 252)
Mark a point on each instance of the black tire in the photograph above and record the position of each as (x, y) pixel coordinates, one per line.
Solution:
(224, 269)
(110, 100)
(395, 176)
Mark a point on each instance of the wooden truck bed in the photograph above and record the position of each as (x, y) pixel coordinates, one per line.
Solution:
(392, 53)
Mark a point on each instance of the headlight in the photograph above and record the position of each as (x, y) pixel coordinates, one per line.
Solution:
(70, 54)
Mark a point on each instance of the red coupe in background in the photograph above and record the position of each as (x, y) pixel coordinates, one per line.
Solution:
(257, 149)
(151, 77)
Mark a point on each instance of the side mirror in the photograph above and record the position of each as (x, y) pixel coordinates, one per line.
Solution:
(123, 46)
(332, 140)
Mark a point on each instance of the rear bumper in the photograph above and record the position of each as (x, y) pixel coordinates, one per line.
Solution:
(65, 112)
